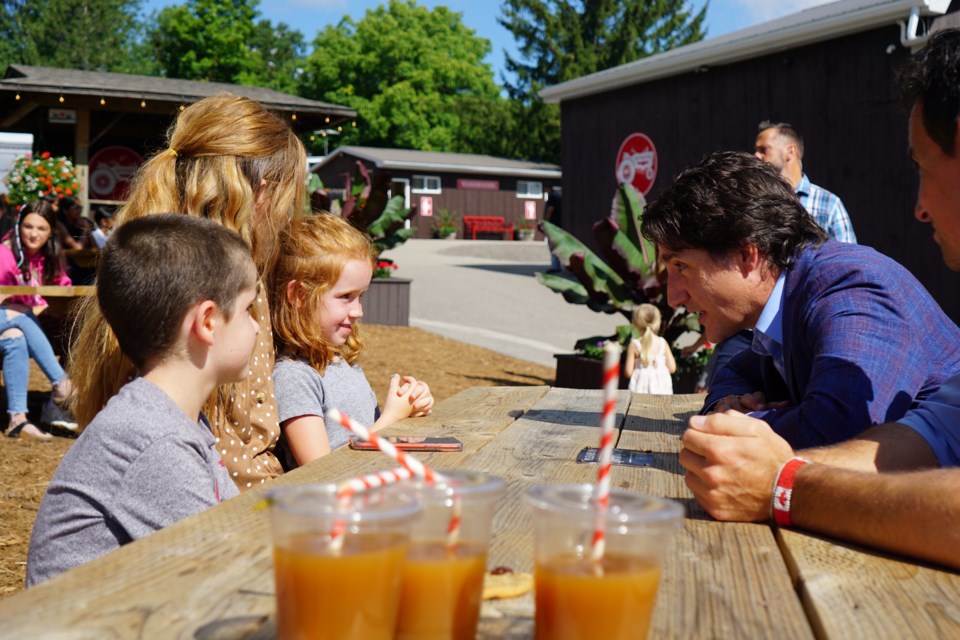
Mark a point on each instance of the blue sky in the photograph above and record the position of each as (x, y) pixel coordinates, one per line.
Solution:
(310, 16)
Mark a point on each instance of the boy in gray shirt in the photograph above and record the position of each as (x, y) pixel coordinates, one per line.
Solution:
(177, 292)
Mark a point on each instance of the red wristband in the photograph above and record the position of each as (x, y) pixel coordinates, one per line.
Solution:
(783, 490)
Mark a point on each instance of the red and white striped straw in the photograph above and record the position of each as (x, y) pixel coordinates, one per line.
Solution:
(408, 462)
(611, 379)
(354, 486)
(453, 527)
(347, 489)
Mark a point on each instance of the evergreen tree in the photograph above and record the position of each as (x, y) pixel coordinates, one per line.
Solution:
(560, 40)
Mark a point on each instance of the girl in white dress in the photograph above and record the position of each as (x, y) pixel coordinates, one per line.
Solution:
(649, 358)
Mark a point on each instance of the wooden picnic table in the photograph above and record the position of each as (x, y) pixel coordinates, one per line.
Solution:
(210, 576)
(60, 300)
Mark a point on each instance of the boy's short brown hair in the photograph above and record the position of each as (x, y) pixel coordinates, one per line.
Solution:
(154, 268)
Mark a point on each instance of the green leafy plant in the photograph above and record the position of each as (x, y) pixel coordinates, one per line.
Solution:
(526, 225)
(623, 277)
(32, 178)
(693, 363)
(444, 222)
(369, 207)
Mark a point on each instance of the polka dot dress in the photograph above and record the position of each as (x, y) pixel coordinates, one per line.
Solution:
(247, 433)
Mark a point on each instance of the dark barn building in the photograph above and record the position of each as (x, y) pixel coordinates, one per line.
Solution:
(829, 71)
(463, 184)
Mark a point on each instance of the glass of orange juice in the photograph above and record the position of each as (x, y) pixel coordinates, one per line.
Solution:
(443, 575)
(338, 563)
(578, 597)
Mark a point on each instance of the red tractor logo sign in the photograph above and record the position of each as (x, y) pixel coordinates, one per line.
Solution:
(637, 162)
(111, 169)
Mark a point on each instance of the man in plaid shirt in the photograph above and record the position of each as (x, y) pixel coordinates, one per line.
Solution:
(780, 145)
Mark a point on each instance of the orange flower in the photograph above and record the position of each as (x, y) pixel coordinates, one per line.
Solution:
(45, 155)
(69, 191)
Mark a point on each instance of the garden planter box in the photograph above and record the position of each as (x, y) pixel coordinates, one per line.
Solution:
(685, 382)
(579, 372)
(387, 302)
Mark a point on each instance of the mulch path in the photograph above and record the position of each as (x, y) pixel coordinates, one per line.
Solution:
(446, 365)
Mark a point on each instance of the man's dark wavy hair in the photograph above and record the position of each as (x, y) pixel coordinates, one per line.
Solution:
(931, 79)
(728, 200)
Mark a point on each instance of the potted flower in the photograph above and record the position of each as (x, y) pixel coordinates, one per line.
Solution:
(584, 369)
(690, 367)
(32, 178)
(525, 229)
(384, 268)
(445, 224)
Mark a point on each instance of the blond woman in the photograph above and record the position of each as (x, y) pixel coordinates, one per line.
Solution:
(231, 161)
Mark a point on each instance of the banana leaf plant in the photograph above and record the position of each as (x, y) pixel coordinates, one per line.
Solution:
(369, 208)
(625, 275)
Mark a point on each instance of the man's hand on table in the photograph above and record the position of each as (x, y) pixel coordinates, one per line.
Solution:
(732, 461)
(747, 402)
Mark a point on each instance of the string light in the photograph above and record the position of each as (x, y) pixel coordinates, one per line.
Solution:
(354, 123)
(182, 107)
(293, 117)
(61, 99)
(327, 119)
(102, 102)
(323, 134)
(339, 128)
(312, 138)
(143, 104)
(17, 97)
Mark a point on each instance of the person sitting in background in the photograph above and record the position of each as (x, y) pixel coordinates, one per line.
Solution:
(103, 219)
(178, 292)
(30, 256)
(35, 258)
(74, 232)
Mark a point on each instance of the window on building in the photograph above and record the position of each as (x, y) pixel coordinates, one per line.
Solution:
(425, 184)
(529, 189)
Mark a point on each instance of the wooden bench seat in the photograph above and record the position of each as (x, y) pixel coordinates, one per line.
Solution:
(488, 224)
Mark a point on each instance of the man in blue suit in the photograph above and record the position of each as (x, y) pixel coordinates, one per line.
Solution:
(844, 337)
(739, 469)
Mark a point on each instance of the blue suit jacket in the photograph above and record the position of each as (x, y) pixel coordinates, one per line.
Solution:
(863, 341)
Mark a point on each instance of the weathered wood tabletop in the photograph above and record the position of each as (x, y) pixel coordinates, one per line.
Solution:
(210, 576)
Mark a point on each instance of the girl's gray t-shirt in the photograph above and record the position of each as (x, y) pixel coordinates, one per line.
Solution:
(301, 391)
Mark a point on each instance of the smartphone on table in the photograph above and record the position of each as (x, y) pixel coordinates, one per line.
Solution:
(630, 457)
(411, 443)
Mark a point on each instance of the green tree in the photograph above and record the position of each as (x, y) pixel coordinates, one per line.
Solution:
(205, 39)
(94, 35)
(221, 41)
(559, 40)
(278, 57)
(415, 76)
